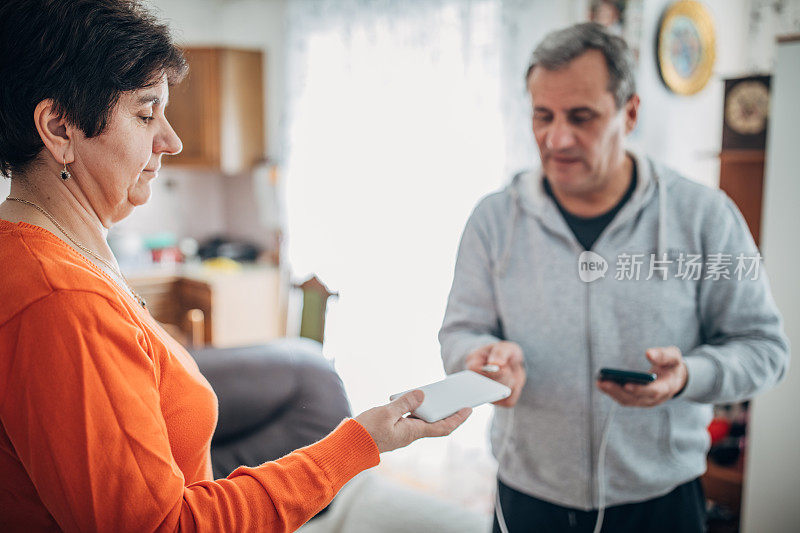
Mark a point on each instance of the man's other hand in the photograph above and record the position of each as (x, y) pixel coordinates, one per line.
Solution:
(671, 376)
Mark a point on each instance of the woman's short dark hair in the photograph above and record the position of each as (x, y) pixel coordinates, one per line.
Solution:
(82, 54)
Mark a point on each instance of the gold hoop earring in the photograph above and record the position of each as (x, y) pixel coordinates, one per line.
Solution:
(65, 175)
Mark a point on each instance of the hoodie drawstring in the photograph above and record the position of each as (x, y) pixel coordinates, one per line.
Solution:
(662, 210)
(507, 246)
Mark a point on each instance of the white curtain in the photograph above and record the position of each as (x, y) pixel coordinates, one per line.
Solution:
(400, 116)
(394, 132)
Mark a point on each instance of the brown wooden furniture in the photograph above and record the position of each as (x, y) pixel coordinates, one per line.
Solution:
(218, 110)
(723, 484)
(744, 141)
(741, 176)
(221, 309)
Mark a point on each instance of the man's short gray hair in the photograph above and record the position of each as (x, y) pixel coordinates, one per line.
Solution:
(562, 46)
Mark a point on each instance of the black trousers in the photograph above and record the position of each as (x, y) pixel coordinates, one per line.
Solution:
(681, 511)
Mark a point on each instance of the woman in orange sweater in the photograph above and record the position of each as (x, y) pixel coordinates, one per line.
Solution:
(106, 421)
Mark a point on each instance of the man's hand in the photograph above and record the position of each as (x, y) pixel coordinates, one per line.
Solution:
(390, 429)
(506, 355)
(671, 378)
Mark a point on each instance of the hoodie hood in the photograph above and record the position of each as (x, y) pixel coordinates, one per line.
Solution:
(529, 198)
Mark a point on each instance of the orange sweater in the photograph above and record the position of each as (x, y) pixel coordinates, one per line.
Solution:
(107, 421)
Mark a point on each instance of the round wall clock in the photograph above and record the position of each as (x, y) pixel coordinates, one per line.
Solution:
(745, 113)
(747, 107)
(686, 47)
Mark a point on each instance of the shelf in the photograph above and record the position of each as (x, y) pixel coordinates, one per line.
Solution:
(742, 156)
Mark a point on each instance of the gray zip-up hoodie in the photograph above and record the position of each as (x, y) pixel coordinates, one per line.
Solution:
(517, 279)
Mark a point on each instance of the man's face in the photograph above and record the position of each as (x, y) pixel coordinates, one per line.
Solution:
(579, 130)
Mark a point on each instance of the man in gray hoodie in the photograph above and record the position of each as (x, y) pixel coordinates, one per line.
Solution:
(603, 258)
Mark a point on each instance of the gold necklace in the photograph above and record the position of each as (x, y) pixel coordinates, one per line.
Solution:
(86, 249)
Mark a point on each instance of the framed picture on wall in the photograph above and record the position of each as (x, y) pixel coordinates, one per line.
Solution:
(621, 17)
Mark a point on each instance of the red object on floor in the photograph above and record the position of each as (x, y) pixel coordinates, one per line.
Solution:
(719, 429)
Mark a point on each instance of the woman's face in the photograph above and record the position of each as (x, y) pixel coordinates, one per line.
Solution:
(114, 169)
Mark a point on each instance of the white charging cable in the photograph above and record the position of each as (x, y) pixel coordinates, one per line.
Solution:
(601, 471)
(498, 507)
(601, 485)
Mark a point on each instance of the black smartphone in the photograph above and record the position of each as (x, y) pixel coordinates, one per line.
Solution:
(625, 376)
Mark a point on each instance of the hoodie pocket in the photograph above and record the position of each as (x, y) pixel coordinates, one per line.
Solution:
(688, 437)
(639, 457)
(640, 450)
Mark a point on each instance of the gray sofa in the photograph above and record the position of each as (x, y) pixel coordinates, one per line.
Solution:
(273, 398)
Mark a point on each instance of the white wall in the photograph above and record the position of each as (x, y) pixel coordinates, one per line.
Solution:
(199, 204)
(237, 23)
(525, 24)
(685, 132)
(772, 480)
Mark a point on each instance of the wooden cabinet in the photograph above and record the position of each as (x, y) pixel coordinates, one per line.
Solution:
(239, 308)
(159, 291)
(744, 138)
(218, 110)
(723, 484)
(742, 178)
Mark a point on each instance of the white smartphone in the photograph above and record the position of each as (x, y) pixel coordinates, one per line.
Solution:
(456, 391)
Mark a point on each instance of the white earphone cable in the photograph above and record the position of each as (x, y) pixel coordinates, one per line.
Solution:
(508, 437)
(601, 482)
(601, 471)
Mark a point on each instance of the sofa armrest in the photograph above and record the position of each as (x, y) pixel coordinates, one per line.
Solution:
(273, 398)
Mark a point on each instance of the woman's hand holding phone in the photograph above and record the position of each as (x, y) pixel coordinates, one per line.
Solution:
(391, 429)
(508, 357)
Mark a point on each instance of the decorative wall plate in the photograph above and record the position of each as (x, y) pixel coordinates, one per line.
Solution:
(686, 47)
